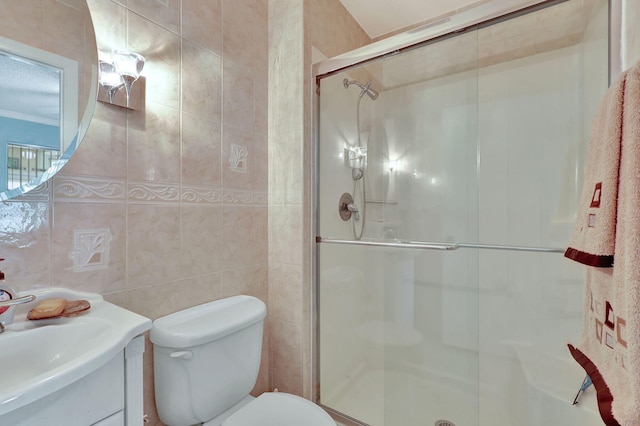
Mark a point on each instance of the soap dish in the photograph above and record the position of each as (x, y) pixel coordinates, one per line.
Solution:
(57, 308)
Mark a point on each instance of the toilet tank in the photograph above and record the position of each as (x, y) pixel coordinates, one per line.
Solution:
(206, 358)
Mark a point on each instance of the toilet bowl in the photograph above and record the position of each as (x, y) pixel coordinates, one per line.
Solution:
(206, 361)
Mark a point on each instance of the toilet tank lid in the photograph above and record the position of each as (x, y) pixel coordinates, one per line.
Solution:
(207, 322)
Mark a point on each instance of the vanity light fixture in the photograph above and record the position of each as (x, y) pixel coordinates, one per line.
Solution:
(109, 78)
(119, 69)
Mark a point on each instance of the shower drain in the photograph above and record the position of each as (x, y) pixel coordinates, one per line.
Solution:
(444, 423)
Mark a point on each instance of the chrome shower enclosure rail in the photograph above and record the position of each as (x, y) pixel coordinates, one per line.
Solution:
(425, 245)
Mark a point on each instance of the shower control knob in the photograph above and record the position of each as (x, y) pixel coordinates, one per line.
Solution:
(345, 206)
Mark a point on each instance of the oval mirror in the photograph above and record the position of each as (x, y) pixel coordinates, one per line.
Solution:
(48, 88)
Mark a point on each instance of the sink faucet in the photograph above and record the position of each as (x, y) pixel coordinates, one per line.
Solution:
(6, 317)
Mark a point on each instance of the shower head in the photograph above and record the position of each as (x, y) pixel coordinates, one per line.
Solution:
(366, 88)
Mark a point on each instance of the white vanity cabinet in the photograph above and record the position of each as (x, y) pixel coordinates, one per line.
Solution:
(109, 396)
(81, 370)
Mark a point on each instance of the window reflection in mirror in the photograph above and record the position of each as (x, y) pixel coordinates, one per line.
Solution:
(26, 163)
(38, 112)
(29, 120)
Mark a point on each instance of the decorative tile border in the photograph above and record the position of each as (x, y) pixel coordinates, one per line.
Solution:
(260, 198)
(285, 198)
(153, 193)
(41, 192)
(200, 195)
(76, 189)
(85, 189)
(237, 198)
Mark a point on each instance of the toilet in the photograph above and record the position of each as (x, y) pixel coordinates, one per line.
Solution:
(206, 361)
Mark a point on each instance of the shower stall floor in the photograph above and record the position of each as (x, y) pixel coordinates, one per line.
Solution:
(383, 398)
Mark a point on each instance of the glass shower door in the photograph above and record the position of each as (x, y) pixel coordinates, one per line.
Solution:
(398, 326)
(443, 296)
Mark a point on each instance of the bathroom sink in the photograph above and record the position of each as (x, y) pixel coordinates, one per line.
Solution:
(43, 356)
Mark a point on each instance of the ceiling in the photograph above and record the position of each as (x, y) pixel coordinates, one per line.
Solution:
(29, 91)
(380, 17)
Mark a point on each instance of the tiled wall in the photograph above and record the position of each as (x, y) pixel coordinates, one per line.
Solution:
(184, 226)
(185, 222)
(630, 36)
(294, 28)
(285, 186)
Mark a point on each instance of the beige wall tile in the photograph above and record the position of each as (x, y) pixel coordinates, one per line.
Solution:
(330, 28)
(119, 298)
(165, 13)
(285, 342)
(261, 107)
(201, 289)
(237, 233)
(260, 162)
(293, 32)
(285, 292)
(238, 96)
(201, 151)
(162, 53)
(285, 234)
(284, 9)
(262, 384)
(241, 20)
(103, 151)
(153, 244)
(202, 23)
(201, 242)
(238, 281)
(201, 82)
(630, 35)
(261, 282)
(260, 234)
(159, 170)
(286, 160)
(154, 144)
(155, 301)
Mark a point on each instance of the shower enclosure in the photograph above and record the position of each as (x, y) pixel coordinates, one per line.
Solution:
(448, 177)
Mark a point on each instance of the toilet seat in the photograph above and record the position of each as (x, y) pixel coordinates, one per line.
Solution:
(280, 409)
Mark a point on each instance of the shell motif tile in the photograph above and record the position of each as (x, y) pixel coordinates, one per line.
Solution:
(238, 157)
(88, 246)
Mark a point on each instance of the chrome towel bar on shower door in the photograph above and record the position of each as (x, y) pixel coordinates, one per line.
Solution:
(435, 246)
